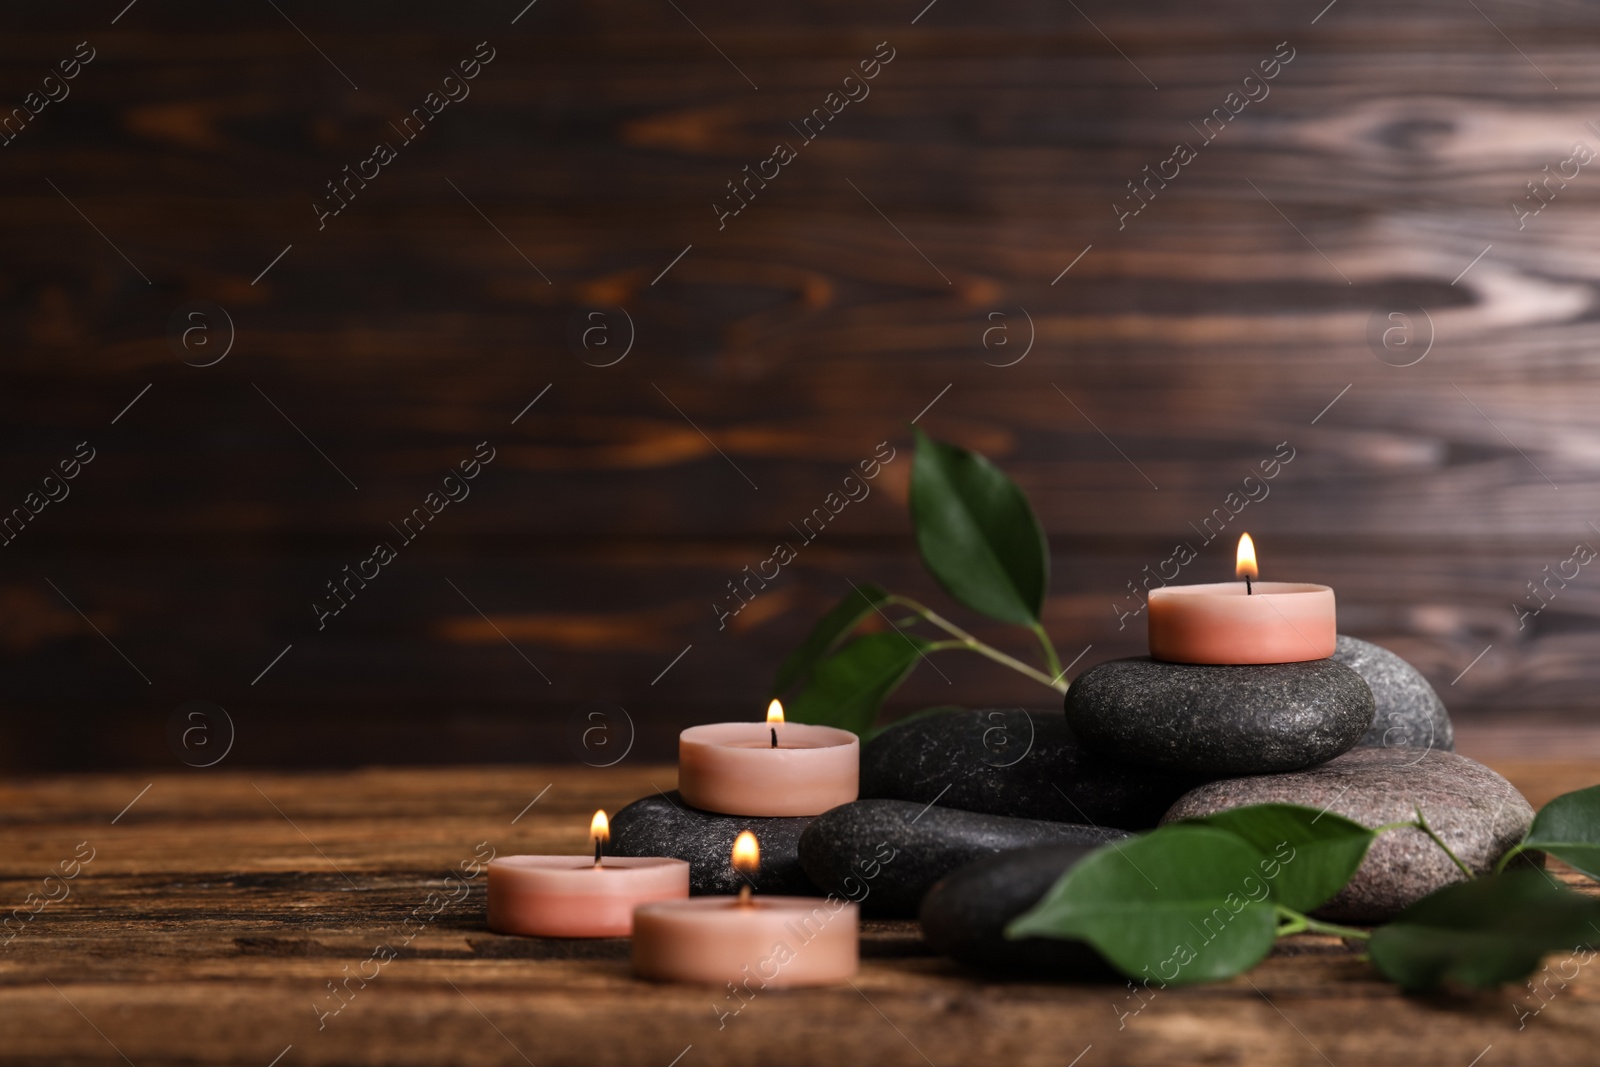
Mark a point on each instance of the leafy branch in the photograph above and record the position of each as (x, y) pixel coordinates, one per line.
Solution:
(1205, 899)
(979, 538)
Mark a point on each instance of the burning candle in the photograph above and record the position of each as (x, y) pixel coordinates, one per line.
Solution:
(1242, 622)
(747, 941)
(774, 768)
(576, 896)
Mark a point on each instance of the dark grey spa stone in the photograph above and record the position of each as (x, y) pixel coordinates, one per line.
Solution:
(1476, 812)
(886, 854)
(1219, 722)
(663, 825)
(1011, 761)
(1408, 713)
(964, 916)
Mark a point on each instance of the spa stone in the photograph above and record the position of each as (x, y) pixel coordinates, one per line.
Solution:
(1476, 812)
(1220, 721)
(886, 854)
(663, 825)
(1012, 761)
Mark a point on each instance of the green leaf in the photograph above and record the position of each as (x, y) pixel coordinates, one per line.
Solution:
(1316, 852)
(1569, 828)
(1484, 932)
(847, 689)
(940, 709)
(977, 534)
(825, 636)
(1170, 905)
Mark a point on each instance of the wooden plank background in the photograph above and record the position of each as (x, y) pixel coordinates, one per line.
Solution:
(773, 355)
(217, 909)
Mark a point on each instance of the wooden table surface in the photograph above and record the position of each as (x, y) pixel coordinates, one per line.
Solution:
(217, 909)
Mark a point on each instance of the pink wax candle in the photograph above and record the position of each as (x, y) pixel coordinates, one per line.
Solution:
(756, 942)
(575, 896)
(774, 768)
(1242, 622)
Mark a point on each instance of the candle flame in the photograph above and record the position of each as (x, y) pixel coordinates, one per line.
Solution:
(1247, 558)
(775, 711)
(600, 827)
(747, 854)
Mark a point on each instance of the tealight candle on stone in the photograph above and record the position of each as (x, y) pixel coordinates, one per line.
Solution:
(747, 941)
(574, 896)
(1230, 623)
(774, 768)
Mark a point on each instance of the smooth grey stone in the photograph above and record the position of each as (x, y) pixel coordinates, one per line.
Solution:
(1220, 722)
(886, 854)
(1009, 761)
(964, 916)
(1408, 713)
(663, 825)
(1476, 812)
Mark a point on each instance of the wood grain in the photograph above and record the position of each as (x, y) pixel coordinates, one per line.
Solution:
(854, 289)
(218, 906)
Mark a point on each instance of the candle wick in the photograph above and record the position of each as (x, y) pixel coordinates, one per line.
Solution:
(744, 896)
(597, 851)
(1247, 590)
(774, 737)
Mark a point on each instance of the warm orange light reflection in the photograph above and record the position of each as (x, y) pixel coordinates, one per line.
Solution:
(1247, 558)
(747, 854)
(775, 712)
(599, 827)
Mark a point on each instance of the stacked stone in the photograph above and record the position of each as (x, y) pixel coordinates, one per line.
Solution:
(968, 817)
(999, 803)
(1361, 734)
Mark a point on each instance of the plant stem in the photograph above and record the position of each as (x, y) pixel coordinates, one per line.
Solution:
(1336, 930)
(1296, 923)
(1422, 824)
(967, 641)
(1516, 849)
(1051, 660)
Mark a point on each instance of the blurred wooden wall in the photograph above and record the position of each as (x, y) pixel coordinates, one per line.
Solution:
(877, 273)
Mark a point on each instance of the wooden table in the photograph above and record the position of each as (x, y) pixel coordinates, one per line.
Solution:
(218, 909)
